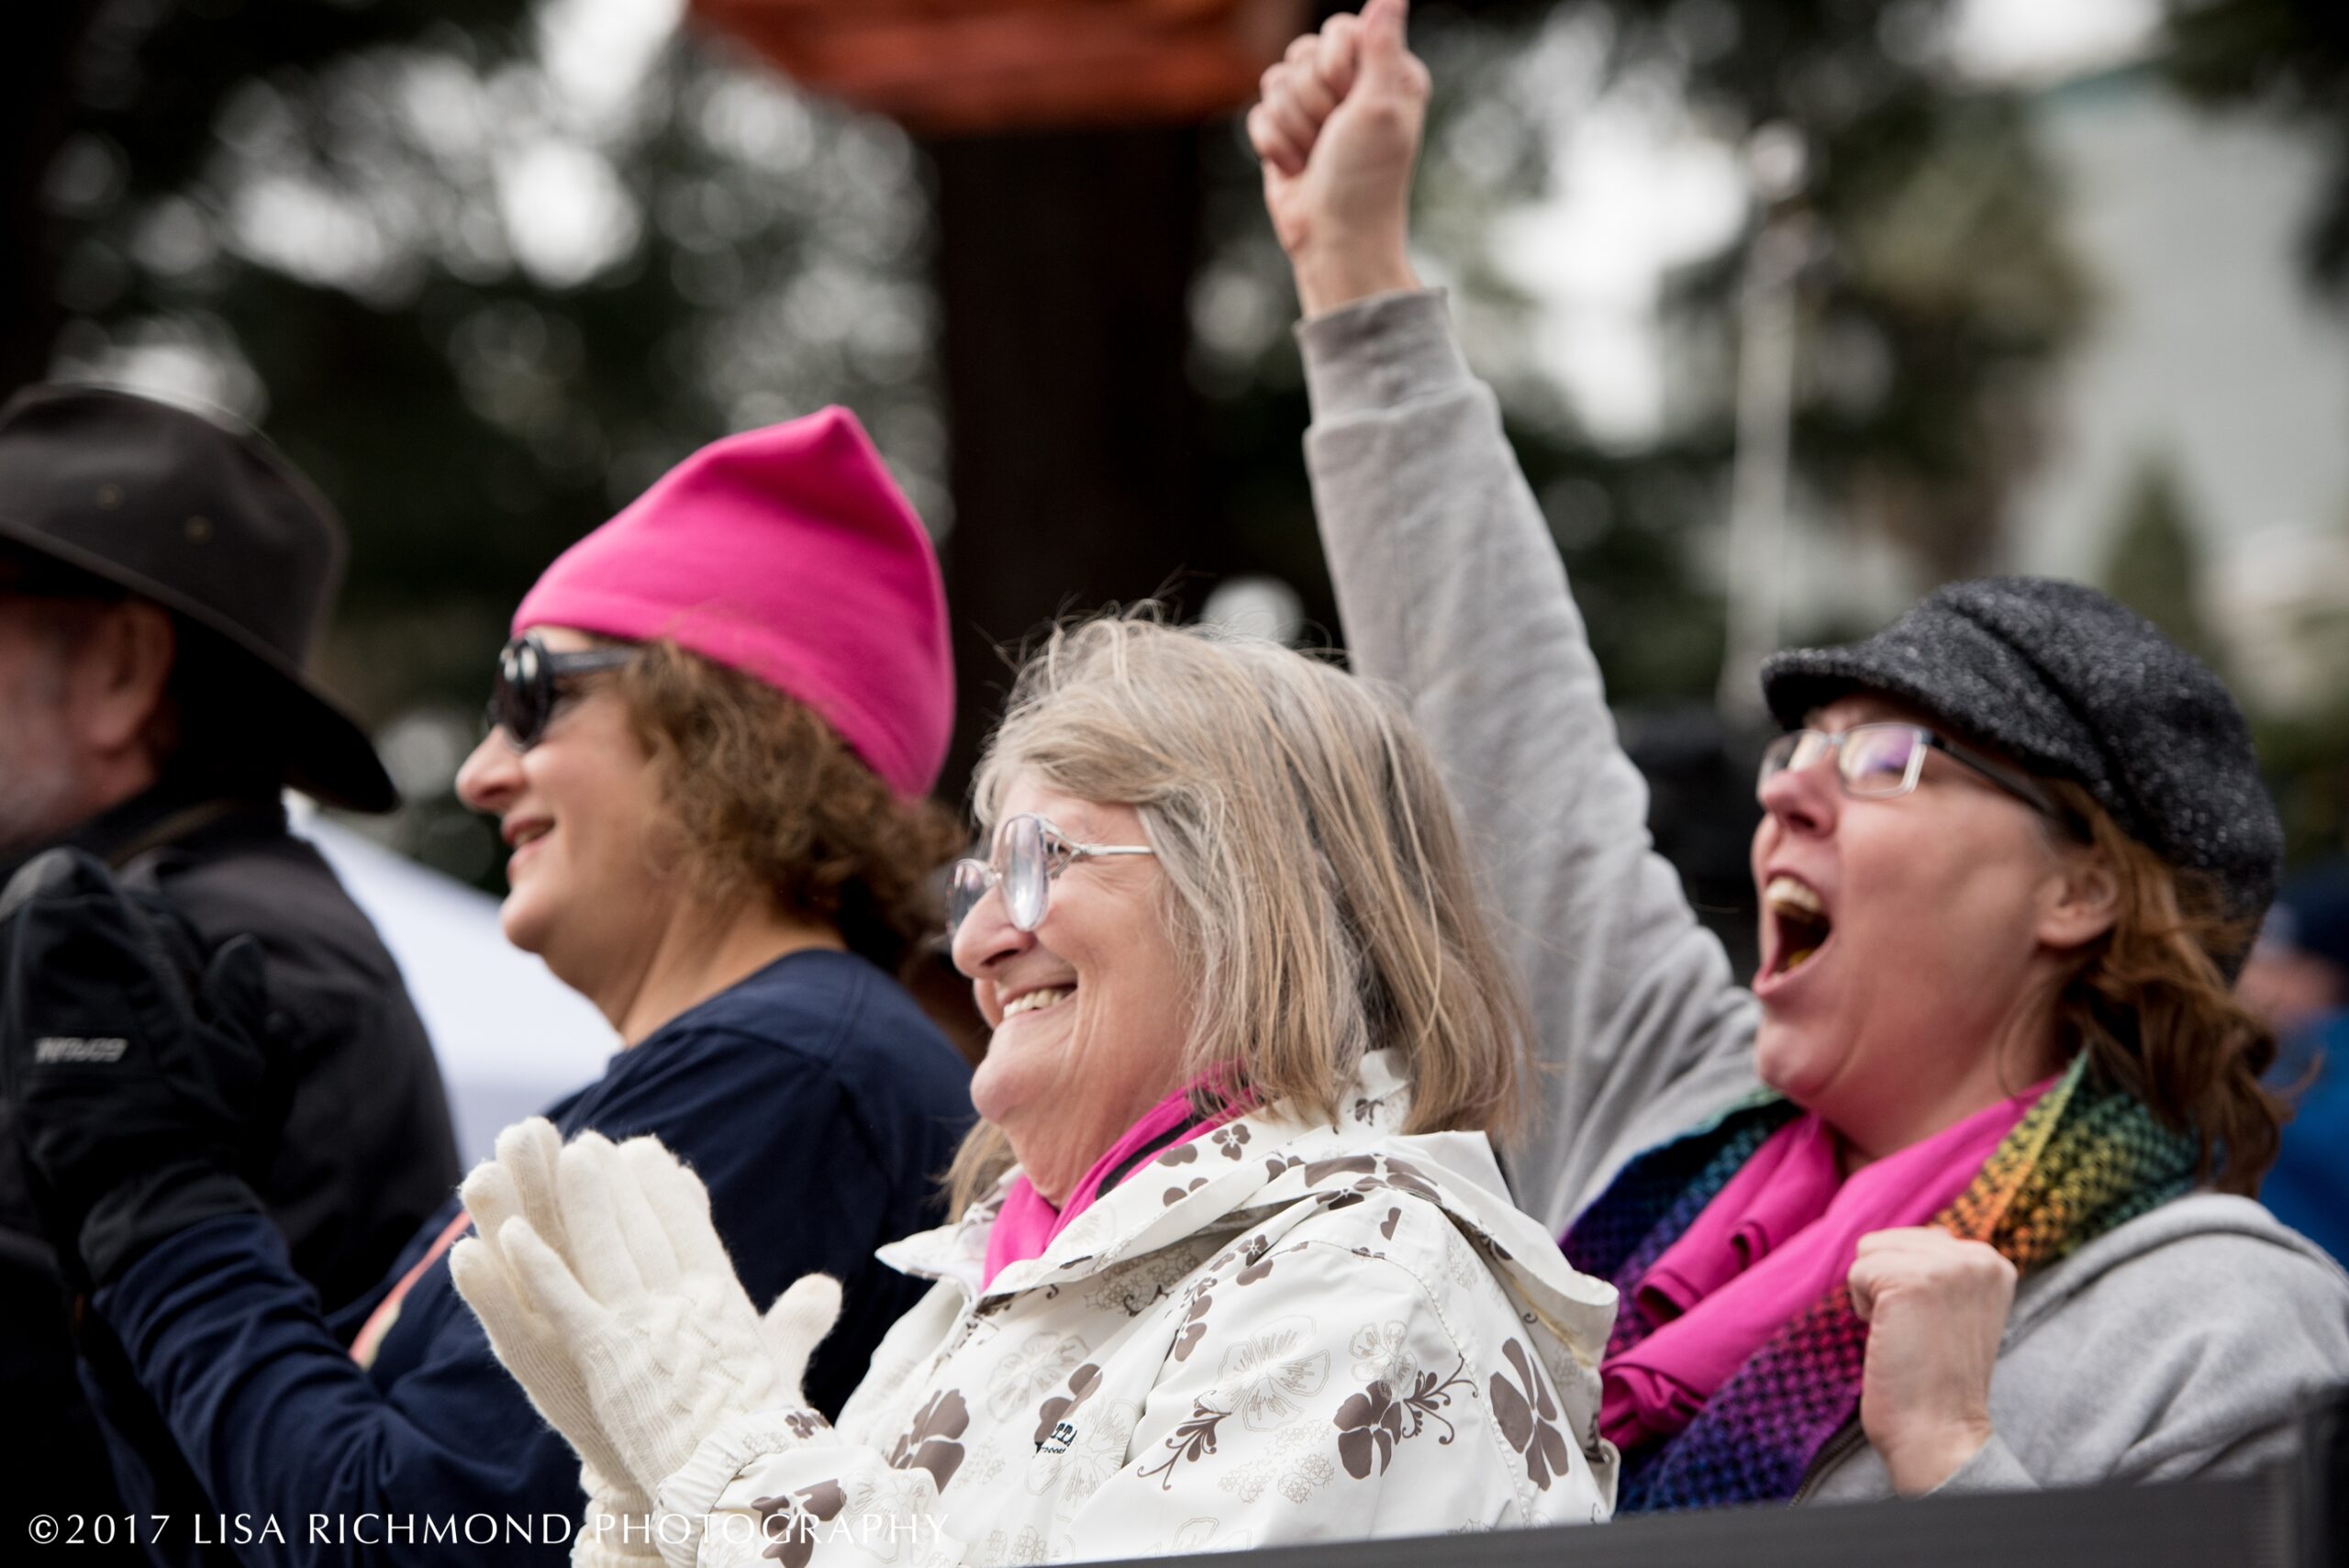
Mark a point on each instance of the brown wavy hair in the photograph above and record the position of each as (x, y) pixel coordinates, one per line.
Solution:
(2151, 1002)
(771, 800)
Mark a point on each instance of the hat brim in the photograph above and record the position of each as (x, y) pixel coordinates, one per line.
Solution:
(1800, 681)
(327, 755)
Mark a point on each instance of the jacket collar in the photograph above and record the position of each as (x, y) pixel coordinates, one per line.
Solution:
(1270, 1160)
(168, 814)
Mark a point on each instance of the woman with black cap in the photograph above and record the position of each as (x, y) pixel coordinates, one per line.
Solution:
(1957, 1195)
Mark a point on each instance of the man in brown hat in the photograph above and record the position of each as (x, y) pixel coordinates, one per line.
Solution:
(163, 576)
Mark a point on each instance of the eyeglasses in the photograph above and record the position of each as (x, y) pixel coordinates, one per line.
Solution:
(1030, 855)
(1880, 762)
(524, 694)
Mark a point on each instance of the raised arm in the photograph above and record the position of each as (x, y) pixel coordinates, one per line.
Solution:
(1451, 587)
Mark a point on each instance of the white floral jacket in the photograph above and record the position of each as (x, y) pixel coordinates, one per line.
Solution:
(1277, 1332)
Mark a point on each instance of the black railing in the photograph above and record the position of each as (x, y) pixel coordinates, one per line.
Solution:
(2288, 1515)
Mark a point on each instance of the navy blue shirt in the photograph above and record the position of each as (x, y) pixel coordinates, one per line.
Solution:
(816, 1101)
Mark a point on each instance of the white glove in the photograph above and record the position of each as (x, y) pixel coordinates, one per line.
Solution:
(616, 1528)
(520, 1184)
(647, 1310)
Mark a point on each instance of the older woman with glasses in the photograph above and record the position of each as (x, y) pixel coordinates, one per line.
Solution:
(1958, 1195)
(711, 740)
(1234, 1265)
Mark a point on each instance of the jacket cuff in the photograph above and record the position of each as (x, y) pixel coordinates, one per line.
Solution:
(682, 1502)
(1379, 353)
(616, 1536)
(1993, 1468)
(616, 1528)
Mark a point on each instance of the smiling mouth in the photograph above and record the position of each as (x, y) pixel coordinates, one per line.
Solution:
(1798, 921)
(1036, 1001)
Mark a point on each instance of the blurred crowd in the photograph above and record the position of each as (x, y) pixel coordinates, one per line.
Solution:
(1366, 1137)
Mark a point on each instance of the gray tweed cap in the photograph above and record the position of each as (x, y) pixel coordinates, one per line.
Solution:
(2073, 686)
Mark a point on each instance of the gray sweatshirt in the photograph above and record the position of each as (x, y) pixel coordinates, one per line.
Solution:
(2181, 1344)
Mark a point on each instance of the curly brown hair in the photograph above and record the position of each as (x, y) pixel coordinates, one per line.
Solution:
(2151, 1002)
(769, 798)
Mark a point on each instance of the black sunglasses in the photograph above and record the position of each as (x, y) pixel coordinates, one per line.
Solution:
(522, 697)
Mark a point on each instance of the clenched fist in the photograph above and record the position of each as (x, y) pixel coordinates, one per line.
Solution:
(1935, 1308)
(1338, 130)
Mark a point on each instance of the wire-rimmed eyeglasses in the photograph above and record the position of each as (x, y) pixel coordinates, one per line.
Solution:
(1030, 855)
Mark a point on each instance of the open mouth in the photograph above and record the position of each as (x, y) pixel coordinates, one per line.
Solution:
(1037, 1001)
(1798, 925)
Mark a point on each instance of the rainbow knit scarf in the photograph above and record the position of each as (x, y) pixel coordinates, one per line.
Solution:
(2088, 1156)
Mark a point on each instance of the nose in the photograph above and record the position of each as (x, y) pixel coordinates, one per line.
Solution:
(1803, 800)
(986, 939)
(491, 776)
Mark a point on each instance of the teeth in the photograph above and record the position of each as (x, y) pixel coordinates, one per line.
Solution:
(1786, 892)
(1035, 999)
(1803, 917)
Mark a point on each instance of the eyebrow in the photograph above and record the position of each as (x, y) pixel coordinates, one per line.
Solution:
(1078, 824)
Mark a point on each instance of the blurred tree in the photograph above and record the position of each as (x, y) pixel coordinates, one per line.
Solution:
(2304, 745)
(486, 267)
(2290, 59)
(1941, 294)
(1944, 289)
(2155, 561)
(483, 267)
(33, 111)
(2290, 56)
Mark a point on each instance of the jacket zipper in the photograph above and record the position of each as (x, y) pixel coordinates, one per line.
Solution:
(1847, 1437)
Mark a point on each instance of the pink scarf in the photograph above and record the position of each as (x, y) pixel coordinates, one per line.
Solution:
(1776, 1239)
(1028, 1222)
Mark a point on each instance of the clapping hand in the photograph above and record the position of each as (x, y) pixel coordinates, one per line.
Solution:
(615, 1304)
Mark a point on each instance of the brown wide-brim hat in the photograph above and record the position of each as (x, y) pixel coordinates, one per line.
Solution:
(207, 519)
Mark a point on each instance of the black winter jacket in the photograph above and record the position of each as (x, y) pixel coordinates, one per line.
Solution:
(366, 1154)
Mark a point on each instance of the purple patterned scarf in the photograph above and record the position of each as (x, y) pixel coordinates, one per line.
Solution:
(2087, 1157)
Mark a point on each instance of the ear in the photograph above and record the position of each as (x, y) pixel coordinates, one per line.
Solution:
(120, 675)
(2081, 899)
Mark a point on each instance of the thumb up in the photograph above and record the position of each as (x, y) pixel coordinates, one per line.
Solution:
(1337, 130)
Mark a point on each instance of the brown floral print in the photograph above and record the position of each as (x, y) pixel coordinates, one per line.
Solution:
(1194, 1326)
(1404, 1176)
(932, 1443)
(1371, 1423)
(1058, 1408)
(788, 1522)
(1192, 1442)
(1527, 1418)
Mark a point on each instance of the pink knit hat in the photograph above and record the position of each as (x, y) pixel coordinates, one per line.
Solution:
(786, 553)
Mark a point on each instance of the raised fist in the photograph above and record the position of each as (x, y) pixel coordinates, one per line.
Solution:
(1338, 130)
(1935, 1308)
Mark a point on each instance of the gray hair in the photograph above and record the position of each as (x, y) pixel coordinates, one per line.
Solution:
(1316, 887)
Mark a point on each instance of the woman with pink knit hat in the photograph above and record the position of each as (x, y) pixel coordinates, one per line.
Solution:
(714, 736)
